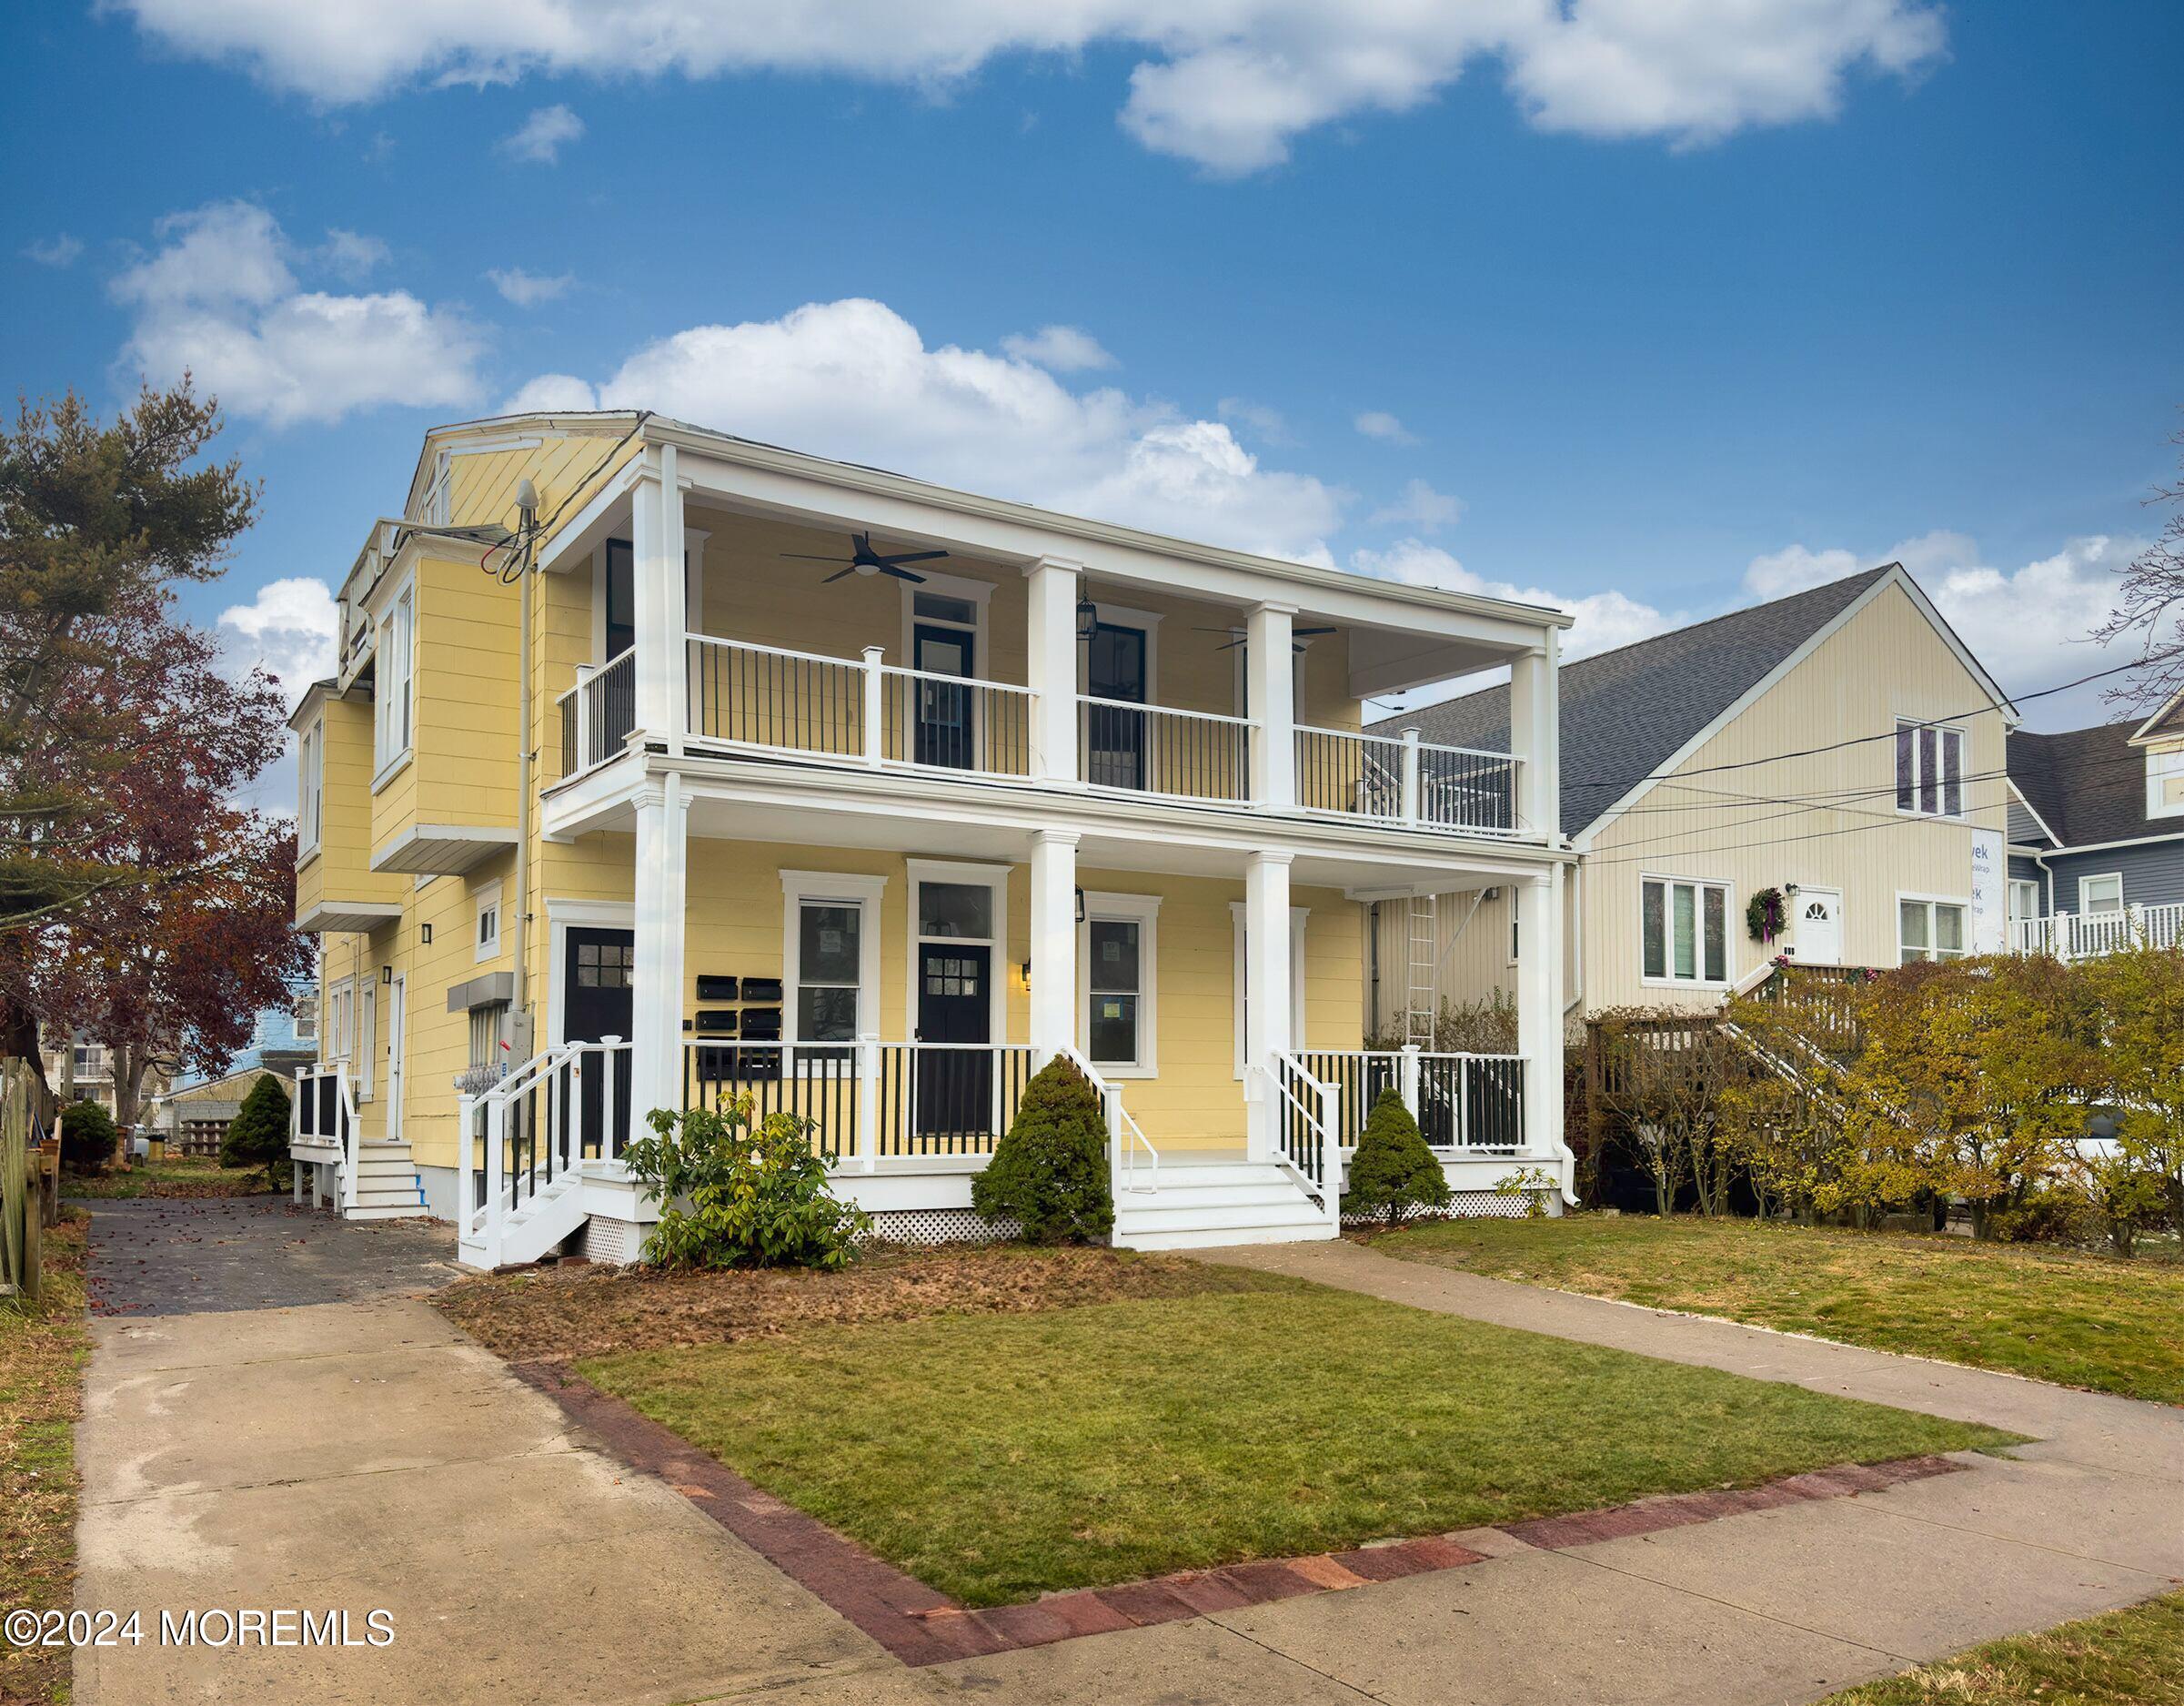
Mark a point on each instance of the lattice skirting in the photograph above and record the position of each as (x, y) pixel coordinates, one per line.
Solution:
(1467, 1205)
(938, 1225)
(618, 1242)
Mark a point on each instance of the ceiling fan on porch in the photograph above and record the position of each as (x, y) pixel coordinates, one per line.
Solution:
(865, 560)
(1236, 639)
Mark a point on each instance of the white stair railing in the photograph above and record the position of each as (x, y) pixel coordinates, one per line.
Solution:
(1307, 1113)
(1125, 1137)
(533, 1124)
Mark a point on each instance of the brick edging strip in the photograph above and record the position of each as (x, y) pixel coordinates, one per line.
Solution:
(922, 1626)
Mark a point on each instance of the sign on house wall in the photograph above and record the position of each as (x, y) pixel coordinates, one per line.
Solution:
(1990, 892)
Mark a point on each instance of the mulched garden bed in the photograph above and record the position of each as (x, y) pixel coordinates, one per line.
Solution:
(552, 1314)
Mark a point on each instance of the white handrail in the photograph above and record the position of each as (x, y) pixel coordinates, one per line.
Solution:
(1322, 1117)
(1125, 1135)
(1166, 711)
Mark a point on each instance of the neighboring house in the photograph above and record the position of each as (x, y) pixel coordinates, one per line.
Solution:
(82, 1071)
(870, 846)
(1840, 745)
(2096, 836)
(195, 1114)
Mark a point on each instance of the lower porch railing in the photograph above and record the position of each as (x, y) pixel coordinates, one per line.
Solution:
(2086, 936)
(562, 1108)
(870, 1100)
(1461, 1101)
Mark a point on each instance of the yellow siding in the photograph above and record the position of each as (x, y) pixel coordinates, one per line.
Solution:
(341, 868)
(465, 696)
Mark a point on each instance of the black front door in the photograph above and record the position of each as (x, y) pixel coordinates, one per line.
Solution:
(597, 1002)
(1114, 737)
(946, 733)
(955, 1085)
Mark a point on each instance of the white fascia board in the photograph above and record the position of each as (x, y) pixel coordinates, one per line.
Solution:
(2057, 851)
(348, 917)
(576, 538)
(2151, 730)
(1998, 699)
(2047, 829)
(443, 850)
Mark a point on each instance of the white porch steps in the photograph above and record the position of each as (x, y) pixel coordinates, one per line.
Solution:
(387, 1185)
(1201, 1203)
(543, 1223)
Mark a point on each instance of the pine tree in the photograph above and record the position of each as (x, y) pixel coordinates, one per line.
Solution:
(259, 1134)
(1049, 1173)
(1393, 1171)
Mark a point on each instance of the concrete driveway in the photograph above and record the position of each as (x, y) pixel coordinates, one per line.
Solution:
(361, 1455)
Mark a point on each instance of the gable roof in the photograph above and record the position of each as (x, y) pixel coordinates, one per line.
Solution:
(1628, 712)
(2088, 785)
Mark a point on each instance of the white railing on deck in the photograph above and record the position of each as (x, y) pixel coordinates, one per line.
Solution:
(1125, 1138)
(1401, 780)
(599, 713)
(1129, 748)
(954, 722)
(1461, 1101)
(324, 1118)
(562, 1108)
(782, 700)
(2085, 935)
(1307, 1141)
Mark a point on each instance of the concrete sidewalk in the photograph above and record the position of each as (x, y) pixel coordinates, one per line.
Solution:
(363, 1455)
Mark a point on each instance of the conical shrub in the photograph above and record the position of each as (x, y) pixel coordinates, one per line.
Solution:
(1393, 1174)
(1048, 1173)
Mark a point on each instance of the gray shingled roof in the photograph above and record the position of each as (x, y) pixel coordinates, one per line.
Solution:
(2088, 785)
(1627, 713)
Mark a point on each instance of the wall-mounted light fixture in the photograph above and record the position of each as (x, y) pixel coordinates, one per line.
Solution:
(1790, 889)
(1024, 971)
(1079, 906)
(387, 973)
(1088, 618)
(428, 935)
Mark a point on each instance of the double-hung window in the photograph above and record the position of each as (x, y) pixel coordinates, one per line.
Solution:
(1115, 963)
(1683, 931)
(2165, 781)
(2102, 894)
(1930, 770)
(1929, 929)
(488, 942)
(310, 786)
(392, 710)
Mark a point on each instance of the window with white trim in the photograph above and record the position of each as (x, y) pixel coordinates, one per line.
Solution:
(2024, 898)
(486, 1020)
(1683, 931)
(367, 1036)
(340, 1021)
(829, 955)
(310, 786)
(2165, 781)
(1929, 769)
(1929, 929)
(2103, 894)
(487, 938)
(1238, 921)
(1116, 951)
(392, 710)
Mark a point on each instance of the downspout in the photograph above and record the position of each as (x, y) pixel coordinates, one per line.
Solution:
(526, 1040)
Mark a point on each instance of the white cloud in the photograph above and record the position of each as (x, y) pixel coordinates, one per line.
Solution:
(539, 139)
(1265, 422)
(352, 254)
(220, 297)
(853, 380)
(288, 630)
(1604, 619)
(1377, 423)
(527, 289)
(1228, 86)
(1420, 507)
(61, 250)
(1059, 349)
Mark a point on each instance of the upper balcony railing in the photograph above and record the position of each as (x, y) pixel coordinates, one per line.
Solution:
(2087, 936)
(754, 697)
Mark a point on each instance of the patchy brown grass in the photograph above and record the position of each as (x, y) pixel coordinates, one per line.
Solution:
(181, 1176)
(41, 1380)
(553, 1314)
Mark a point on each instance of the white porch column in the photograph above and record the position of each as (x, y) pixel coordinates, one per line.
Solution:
(1267, 981)
(657, 978)
(1051, 668)
(1053, 1016)
(1535, 736)
(1539, 950)
(1270, 688)
(660, 601)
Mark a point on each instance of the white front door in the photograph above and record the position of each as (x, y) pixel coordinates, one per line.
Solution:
(397, 1011)
(1818, 913)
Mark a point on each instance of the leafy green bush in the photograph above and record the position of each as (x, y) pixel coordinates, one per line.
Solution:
(1393, 1174)
(1049, 1173)
(88, 1136)
(258, 1137)
(2052, 1214)
(733, 1197)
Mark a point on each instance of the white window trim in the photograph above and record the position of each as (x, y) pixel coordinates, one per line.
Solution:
(366, 1068)
(338, 1035)
(2101, 876)
(1728, 932)
(1962, 902)
(995, 879)
(1297, 915)
(310, 790)
(1142, 910)
(2017, 888)
(2162, 764)
(834, 888)
(693, 589)
(388, 765)
(485, 898)
(1516, 914)
(1964, 746)
(975, 592)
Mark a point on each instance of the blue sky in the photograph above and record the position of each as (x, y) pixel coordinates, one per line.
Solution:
(1649, 310)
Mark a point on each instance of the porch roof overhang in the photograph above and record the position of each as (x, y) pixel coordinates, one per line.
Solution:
(442, 850)
(348, 917)
(756, 799)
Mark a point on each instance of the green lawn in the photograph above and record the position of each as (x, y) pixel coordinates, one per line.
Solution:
(999, 1457)
(2078, 1319)
(2133, 1658)
(41, 1373)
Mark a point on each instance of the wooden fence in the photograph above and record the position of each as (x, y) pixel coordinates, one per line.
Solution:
(27, 1204)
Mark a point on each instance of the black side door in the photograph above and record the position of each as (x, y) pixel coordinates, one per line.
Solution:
(955, 1085)
(597, 1002)
(1114, 737)
(946, 733)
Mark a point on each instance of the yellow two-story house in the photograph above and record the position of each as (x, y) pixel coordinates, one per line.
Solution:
(663, 768)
